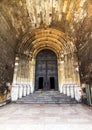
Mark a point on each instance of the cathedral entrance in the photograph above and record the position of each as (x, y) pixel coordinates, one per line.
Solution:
(46, 74)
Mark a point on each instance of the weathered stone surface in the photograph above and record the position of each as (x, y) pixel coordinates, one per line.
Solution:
(18, 17)
(7, 55)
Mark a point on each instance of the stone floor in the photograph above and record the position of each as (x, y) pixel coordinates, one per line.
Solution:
(45, 117)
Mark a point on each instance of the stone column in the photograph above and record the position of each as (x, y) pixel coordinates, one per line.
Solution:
(15, 89)
(61, 74)
(70, 69)
(66, 69)
(15, 70)
(32, 74)
(76, 70)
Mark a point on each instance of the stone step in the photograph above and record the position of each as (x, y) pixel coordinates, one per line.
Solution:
(46, 102)
(46, 97)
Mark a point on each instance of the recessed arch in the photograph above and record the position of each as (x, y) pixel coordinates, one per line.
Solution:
(43, 48)
(40, 38)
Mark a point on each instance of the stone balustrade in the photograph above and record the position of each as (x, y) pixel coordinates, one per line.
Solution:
(19, 91)
(72, 90)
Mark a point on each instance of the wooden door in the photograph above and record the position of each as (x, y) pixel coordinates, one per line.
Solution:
(46, 70)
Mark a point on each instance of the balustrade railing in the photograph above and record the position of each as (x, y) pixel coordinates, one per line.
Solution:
(19, 91)
(22, 90)
(72, 90)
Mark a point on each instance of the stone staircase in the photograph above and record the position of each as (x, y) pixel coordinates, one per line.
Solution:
(47, 97)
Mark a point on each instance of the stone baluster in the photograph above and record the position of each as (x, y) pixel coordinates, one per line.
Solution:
(20, 91)
(24, 90)
(68, 90)
(64, 89)
(72, 90)
(14, 93)
(28, 89)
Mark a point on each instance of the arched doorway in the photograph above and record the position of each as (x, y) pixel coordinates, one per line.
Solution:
(46, 74)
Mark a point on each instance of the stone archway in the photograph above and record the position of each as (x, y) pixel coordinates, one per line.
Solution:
(46, 72)
(56, 41)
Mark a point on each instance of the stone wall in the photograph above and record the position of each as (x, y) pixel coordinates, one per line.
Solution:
(86, 66)
(7, 56)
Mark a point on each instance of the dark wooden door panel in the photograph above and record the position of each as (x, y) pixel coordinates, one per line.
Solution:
(46, 67)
